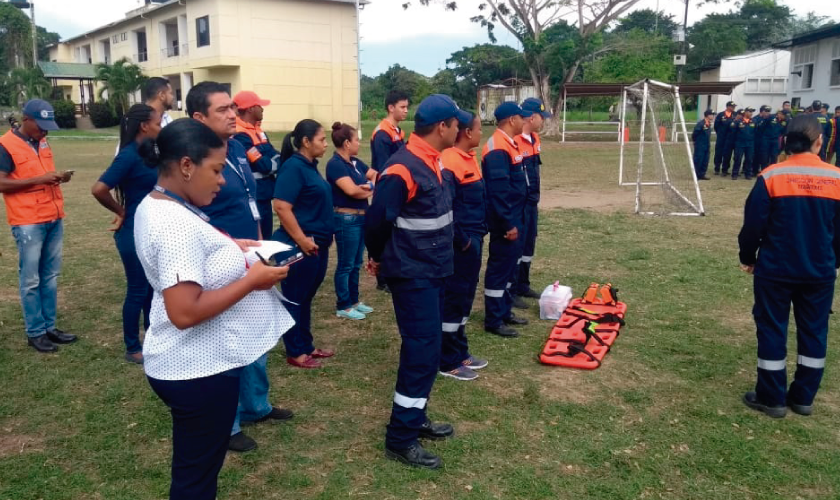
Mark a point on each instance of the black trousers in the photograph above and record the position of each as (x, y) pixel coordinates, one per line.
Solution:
(203, 411)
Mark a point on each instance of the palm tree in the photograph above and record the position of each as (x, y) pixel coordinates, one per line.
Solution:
(28, 83)
(119, 80)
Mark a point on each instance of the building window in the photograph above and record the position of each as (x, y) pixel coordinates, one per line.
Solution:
(766, 86)
(834, 79)
(114, 39)
(803, 67)
(202, 31)
(123, 37)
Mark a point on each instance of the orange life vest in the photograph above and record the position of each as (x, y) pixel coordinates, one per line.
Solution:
(36, 204)
(257, 137)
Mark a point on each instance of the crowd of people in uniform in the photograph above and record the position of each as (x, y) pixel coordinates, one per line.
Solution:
(192, 198)
(748, 144)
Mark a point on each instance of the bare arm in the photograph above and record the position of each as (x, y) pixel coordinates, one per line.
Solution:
(188, 305)
(14, 185)
(102, 193)
(352, 189)
(289, 222)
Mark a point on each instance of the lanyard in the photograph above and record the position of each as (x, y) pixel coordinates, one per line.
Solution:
(189, 206)
(241, 175)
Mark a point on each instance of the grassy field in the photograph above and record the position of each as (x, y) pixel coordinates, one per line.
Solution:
(661, 419)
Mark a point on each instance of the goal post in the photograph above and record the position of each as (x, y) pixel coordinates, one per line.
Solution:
(657, 158)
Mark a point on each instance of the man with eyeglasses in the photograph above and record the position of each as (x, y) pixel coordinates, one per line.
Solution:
(35, 209)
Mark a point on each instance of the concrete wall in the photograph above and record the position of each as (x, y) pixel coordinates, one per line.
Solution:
(770, 66)
(300, 54)
(821, 88)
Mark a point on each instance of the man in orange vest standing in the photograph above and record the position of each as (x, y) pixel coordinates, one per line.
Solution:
(35, 209)
(263, 158)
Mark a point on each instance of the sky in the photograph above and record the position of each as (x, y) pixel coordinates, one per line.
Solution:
(420, 38)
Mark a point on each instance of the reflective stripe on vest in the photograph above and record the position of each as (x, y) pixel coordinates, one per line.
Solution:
(425, 224)
(37, 204)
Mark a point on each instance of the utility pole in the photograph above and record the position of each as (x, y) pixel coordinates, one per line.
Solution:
(683, 43)
(23, 4)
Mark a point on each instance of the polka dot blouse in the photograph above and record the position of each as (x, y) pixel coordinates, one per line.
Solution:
(175, 246)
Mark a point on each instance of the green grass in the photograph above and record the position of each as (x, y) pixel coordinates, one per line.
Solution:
(661, 419)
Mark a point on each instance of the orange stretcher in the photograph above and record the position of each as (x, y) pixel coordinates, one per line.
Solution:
(586, 330)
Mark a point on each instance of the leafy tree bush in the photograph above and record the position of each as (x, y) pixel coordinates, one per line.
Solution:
(65, 113)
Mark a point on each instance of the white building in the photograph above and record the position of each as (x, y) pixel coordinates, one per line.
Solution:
(764, 75)
(815, 67)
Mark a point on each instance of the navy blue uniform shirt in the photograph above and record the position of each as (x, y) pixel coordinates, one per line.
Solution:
(300, 184)
(266, 165)
(791, 226)
(701, 135)
(743, 132)
(356, 170)
(133, 176)
(230, 210)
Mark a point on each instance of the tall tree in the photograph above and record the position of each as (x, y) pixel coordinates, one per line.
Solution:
(119, 81)
(15, 38)
(648, 21)
(764, 22)
(528, 20)
(635, 55)
(488, 63)
(45, 39)
(715, 37)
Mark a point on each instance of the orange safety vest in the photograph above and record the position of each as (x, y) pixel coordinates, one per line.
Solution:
(389, 129)
(36, 204)
(257, 137)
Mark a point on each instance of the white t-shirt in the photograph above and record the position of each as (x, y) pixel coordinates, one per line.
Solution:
(175, 245)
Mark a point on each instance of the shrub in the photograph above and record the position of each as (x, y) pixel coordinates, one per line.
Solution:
(65, 113)
(102, 115)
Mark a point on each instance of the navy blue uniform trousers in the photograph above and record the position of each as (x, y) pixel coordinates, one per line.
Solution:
(728, 149)
(522, 277)
(202, 410)
(811, 307)
(498, 278)
(459, 294)
(701, 160)
(300, 286)
(745, 154)
(418, 306)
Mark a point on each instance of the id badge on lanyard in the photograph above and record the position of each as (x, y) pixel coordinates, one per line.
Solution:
(252, 203)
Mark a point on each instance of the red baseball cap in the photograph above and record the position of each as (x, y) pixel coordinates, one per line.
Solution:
(247, 99)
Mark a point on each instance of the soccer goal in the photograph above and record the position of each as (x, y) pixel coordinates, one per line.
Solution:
(655, 151)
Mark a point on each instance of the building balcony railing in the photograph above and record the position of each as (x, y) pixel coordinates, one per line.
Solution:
(141, 57)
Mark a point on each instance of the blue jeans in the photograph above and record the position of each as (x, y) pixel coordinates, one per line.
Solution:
(253, 393)
(138, 292)
(39, 249)
(350, 247)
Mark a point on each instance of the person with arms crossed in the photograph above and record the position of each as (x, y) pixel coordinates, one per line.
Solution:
(702, 136)
(35, 211)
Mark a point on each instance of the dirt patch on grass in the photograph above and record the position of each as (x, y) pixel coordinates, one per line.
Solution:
(18, 444)
(605, 201)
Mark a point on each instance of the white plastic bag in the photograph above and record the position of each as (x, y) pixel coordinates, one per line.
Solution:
(554, 300)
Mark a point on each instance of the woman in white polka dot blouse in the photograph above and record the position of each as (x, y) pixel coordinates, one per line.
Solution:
(213, 312)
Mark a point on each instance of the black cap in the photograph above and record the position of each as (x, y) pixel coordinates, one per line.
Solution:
(817, 104)
(825, 106)
(739, 112)
(731, 104)
(708, 112)
(766, 108)
(751, 110)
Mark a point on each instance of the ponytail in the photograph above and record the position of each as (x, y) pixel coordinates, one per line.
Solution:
(130, 124)
(305, 129)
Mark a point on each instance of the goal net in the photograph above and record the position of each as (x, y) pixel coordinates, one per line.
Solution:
(656, 157)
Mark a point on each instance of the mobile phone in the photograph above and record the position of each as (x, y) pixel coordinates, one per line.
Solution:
(281, 259)
(71, 172)
(291, 259)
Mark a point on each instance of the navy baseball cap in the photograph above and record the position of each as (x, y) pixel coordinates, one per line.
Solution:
(42, 112)
(731, 104)
(708, 112)
(536, 106)
(508, 109)
(437, 108)
(766, 108)
(817, 104)
(751, 110)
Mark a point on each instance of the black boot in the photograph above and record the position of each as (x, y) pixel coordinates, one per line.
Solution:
(42, 343)
(519, 302)
(415, 456)
(514, 320)
(61, 337)
(502, 331)
(431, 430)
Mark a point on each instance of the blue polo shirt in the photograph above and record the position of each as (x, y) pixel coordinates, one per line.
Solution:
(134, 177)
(230, 210)
(300, 184)
(338, 168)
